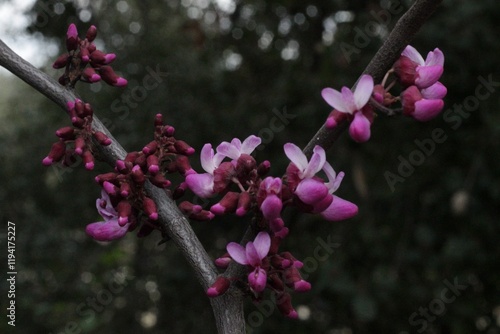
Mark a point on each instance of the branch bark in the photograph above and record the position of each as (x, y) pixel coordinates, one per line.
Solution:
(228, 309)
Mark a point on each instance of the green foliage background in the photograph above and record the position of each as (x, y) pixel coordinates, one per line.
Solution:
(440, 226)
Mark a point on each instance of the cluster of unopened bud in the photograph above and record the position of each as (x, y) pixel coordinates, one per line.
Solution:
(83, 52)
(125, 186)
(75, 141)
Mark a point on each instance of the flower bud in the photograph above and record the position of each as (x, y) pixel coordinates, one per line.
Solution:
(244, 203)
(150, 148)
(61, 61)
(138, 175)
(88, 160)
(124, 210)
(153, 162)
(91, 33)
(284, 303)
(149, 207)
(183, 148)
(110, 77)
(89, 74)
(56, 153)
(101, 58)
(102, 138)
(66, 133)
(220, 286)
(71, 38)
(125, 189)
(160, 181)
(223, 261)
(227, 204)
(79, 145)
(110, 188)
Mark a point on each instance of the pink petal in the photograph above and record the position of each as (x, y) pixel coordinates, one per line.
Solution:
(229, 150)
(348, 98)
(206, 158)
(436, 91)
(106, 231)
(316, 163)
(334, 180)
(360, 128)
(295, 154)
(363, 91)
(340, 209)
(428, 75)
(262, 244)
(249, 144)
(237, 253)
(257, 279)
(413, 54)
(426, 110)
(201, 184)
(311, 191)
(334, 99)
(252, 256)
(271, 207)
(435, 57)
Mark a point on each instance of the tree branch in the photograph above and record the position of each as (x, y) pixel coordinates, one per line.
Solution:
(172, 221)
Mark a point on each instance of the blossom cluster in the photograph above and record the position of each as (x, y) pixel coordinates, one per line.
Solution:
(83, 52)
(75, 140)
(123, 198)
(245, 189)
(421, 98)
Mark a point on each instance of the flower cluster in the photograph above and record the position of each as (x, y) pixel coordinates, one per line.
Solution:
(245, 189)
(83, 52)
(76, 140)
(422, 97)
(123, 190)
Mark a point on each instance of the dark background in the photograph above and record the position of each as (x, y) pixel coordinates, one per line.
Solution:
(393, 264)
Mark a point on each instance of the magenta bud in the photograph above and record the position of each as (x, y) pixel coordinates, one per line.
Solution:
(67, 133)
(110, 188)
(56, 153)
(244, 202)
(110, 77)
(149, 207)
(91, 33)
(160, 181)
(158, 120)
(168, 131)
(105, 177)
(150, 148)
(88, 160)
(79, 145)
(138, 175)
(102, 138)
(264, 168)
(183, 148)
(125, 189)
(227, 204)
(284, 303)
(153, 163)
(70, 105)
(100, 58)
(220, 286)
(124, 210)
(84, 55)
(80, 108)
(61, 61)
(121, 166)
(90, 75)
(72, 38)
(223, 261)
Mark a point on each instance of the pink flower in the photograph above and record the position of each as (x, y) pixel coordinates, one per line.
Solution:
(236, 148)
(271, 205)
(110, 228)
(353, 103)
(413, 70)
(311, 190)
(252, 255)
(203, 184)
(424, 104)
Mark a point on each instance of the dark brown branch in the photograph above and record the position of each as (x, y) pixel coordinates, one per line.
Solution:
(404, 31)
